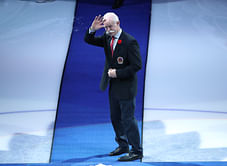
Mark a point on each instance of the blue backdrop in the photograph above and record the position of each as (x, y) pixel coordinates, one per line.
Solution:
(83, 132)
(81, 102)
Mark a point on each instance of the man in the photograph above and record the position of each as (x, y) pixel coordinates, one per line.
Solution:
(122, 62)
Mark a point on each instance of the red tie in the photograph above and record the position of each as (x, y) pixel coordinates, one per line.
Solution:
(111, 44)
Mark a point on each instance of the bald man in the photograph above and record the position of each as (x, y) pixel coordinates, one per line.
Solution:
(122, 62)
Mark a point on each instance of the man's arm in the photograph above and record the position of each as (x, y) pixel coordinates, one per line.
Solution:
(91, 39)
(90, 34)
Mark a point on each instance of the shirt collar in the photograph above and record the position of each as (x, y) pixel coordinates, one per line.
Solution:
(118, 34)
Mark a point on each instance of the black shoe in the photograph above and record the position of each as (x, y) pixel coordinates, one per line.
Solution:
(131, 157)
(119, 151)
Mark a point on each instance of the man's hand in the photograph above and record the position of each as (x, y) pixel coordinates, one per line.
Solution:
(97, 23)
(112, 73)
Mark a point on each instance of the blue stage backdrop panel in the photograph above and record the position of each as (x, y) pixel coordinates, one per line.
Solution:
(81, 102)
(83, 129)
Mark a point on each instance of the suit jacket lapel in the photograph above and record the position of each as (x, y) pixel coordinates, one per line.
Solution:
(116, 50)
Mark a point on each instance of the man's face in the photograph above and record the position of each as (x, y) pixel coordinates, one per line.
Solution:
(111, 27)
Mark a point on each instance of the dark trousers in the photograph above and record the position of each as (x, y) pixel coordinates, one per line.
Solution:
(124, 123)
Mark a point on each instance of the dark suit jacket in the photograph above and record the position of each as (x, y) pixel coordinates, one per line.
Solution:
(126, 60)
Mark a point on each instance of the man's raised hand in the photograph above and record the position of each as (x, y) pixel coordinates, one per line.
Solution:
(97, 23)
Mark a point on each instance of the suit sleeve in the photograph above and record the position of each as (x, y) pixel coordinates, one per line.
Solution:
(135, 62)
(90, 38)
